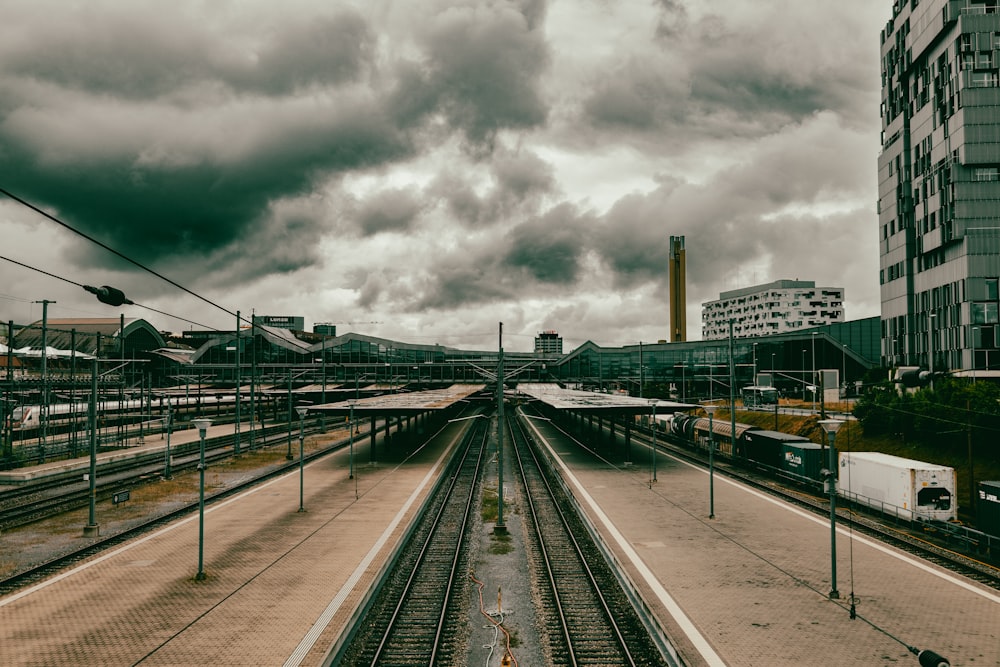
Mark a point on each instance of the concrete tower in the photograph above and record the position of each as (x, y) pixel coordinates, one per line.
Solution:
(677, 284)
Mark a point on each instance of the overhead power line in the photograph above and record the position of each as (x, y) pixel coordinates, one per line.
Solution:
(113, 251)
(99, 290)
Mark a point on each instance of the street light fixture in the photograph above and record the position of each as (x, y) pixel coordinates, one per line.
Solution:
(815, 383)
(710, 409)
(302, 410)
(169, 422)
(973, 331)
(202, 426)
(804, 383)
(350, 427)
(930, 346)
(831, 426)
(653, 403)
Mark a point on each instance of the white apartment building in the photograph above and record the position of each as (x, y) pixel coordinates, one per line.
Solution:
(774, 308)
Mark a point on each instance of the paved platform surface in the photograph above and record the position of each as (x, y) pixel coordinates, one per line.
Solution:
(751, 586)
(280, 584)
(747, 588)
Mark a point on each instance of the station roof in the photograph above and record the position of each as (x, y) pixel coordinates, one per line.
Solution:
(589, 401)
(406, 403)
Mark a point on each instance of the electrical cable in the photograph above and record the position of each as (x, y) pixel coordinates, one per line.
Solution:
(73, 282)
(113, 251)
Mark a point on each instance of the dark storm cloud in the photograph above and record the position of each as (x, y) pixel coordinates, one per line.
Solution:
(125, 54)
(184, 131)
(519, 181)
(193, 202)
(482, 67)
(390, 211)
(541, 256)
(723, 76)
(731, 220)
(154, 169)
(549, 248)
(673, 18)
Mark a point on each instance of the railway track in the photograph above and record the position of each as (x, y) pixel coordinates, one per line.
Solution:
(586, 616)
(415, 619)
(41, 571)
(24, 505)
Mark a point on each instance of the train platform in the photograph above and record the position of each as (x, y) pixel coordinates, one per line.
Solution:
(751, 586)
(279, 586)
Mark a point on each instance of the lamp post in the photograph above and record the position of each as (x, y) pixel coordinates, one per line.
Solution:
(350, 428)
(652, 403)
(302, 410)
(754, 383)
(974, 331)
(815, 384)
(202, 426)
(710, 409)
(930, 346)
(831, 426)
(804, 383)
(166, 463)
(288, 454)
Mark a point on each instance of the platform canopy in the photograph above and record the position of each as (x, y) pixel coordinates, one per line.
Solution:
(590, 401)
(403, 403)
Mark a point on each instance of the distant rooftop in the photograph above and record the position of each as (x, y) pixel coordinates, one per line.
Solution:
(777, 284)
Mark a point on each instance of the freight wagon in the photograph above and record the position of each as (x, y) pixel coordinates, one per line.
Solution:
(988, 508)
(898, 487)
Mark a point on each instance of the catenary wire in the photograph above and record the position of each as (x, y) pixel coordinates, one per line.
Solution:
(73, 282)
(113, 251)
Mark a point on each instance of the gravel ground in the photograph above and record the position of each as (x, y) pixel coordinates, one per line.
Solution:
(501, 564)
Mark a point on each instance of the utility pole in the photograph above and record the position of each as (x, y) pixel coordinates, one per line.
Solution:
(44, 407)
(239, 379)
(732, 391)
(500, 527)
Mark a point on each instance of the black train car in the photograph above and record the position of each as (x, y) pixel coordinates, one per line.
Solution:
(764, 447)
(988, 508)
(804, 461)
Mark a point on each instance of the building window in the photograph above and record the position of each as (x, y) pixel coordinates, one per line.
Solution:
(983, 80)
(986, 174)
(985, 312)
(992, 288)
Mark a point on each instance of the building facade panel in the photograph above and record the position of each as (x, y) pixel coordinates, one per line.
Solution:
(777, 307)
(939, 178)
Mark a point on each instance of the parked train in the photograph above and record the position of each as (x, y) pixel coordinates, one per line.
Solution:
(25, 420)
(899, 487)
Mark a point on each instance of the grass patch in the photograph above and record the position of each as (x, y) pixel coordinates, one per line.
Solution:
(500, 544)
(490, 507)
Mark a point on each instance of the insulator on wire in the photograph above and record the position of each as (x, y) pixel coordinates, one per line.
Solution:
(109, 295)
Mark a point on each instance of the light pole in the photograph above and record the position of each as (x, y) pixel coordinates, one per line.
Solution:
(350, 427)
(202, 426)
(831, 426)
(930, 346)
(973, 331)
(288, 454)
(754, 383)
(804, 383)
(302, 410)
(166, 463)
(652, 403)
(710, 409)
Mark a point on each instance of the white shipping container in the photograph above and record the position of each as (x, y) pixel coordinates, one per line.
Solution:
(897, 486)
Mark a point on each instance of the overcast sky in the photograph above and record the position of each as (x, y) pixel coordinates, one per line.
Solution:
(424, 170)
